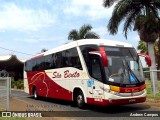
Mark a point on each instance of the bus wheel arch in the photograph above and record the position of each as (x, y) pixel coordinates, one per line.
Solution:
(78, 97)
(35, 92)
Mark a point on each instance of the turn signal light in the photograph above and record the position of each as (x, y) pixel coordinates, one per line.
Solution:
(115, 88)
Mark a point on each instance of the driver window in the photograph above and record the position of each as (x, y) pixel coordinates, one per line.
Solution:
(96, 69)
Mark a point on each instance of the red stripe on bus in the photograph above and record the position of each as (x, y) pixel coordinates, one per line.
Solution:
(47, 87)
(105, 102)
(36, 57)
(133, 89)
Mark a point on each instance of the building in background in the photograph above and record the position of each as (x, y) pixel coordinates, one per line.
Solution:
(12, 65)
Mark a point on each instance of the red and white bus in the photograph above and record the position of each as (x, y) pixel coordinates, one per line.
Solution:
(90, 71)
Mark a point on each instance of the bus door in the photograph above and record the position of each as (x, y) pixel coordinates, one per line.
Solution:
(96, 82)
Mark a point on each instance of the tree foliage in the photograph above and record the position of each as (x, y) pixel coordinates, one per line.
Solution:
(142, 46)
(133, 12)
(83, 33)
(43, 50)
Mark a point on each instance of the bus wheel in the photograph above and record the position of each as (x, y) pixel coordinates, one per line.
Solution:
(80, 100)
(35, 94)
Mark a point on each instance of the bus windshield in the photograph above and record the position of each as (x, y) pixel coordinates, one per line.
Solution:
(124, 66)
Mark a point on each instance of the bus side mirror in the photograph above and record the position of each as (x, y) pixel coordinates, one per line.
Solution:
(103, 56)
(147, 58)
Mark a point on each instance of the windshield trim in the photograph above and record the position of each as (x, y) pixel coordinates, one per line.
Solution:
(138, 81)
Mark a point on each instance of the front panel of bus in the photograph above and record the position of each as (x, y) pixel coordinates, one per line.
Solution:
(121, 81)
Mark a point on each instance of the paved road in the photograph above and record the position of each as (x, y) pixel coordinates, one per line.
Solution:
(63, 108)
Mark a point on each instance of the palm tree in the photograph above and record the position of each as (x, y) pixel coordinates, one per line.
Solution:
(158, 47)
(84, 33)
(43, 50)
(142, 47)
(140, 14)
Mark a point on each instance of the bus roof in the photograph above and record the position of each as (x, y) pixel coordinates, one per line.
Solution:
(102, 42)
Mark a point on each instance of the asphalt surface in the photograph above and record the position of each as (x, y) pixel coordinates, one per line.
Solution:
(21, 101)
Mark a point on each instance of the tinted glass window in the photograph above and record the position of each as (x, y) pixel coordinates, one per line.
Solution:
(34, 65)
(40, 64)
(58, 60)
(72, 58)
(96, 69)
(28, 66)
(48, 62)
(67, 58)
(124, 67)
(85, 49)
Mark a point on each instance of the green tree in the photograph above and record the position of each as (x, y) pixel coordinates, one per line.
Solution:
(43, 50)
(159, 50)
(157, 53)
(142, 46)
(83, 33)
(140, 14)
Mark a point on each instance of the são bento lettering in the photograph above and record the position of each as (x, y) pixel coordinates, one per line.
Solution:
(67, 74)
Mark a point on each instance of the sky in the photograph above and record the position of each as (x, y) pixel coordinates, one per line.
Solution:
(28, 26)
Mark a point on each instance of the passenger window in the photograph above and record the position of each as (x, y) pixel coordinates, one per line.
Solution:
(59, 60)
(48, 62)
(85, 49)
(28, 66)
(71, 59)
(96, 69)
(33, 64)
(40, 64)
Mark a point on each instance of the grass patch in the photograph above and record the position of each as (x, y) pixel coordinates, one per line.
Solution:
(149, 90)
(1, 109)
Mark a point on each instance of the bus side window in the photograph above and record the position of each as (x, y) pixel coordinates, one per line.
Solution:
(59, 60)
(34, 65)
(40, 63)
(96, 69)
(28, 66)
(47, 62)
(85, 49)
(71, 59)
(74, 59)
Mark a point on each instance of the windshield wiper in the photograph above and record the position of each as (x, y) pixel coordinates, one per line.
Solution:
(136, 62)
(132, 73)
(131, 54)
(122, 75)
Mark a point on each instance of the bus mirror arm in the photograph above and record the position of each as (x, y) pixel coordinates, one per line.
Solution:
(103, 56)
(147, 58)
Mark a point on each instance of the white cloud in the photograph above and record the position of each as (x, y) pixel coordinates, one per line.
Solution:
(90, 8)
(16, 18)
(40, 39)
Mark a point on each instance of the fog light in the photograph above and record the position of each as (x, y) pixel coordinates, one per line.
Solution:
(114, 93)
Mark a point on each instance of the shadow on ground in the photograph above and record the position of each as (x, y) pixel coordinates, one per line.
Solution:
(67, 109)
(91, 110)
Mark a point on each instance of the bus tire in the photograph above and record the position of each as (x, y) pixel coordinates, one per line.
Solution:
(35, 93)
(80, 100)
